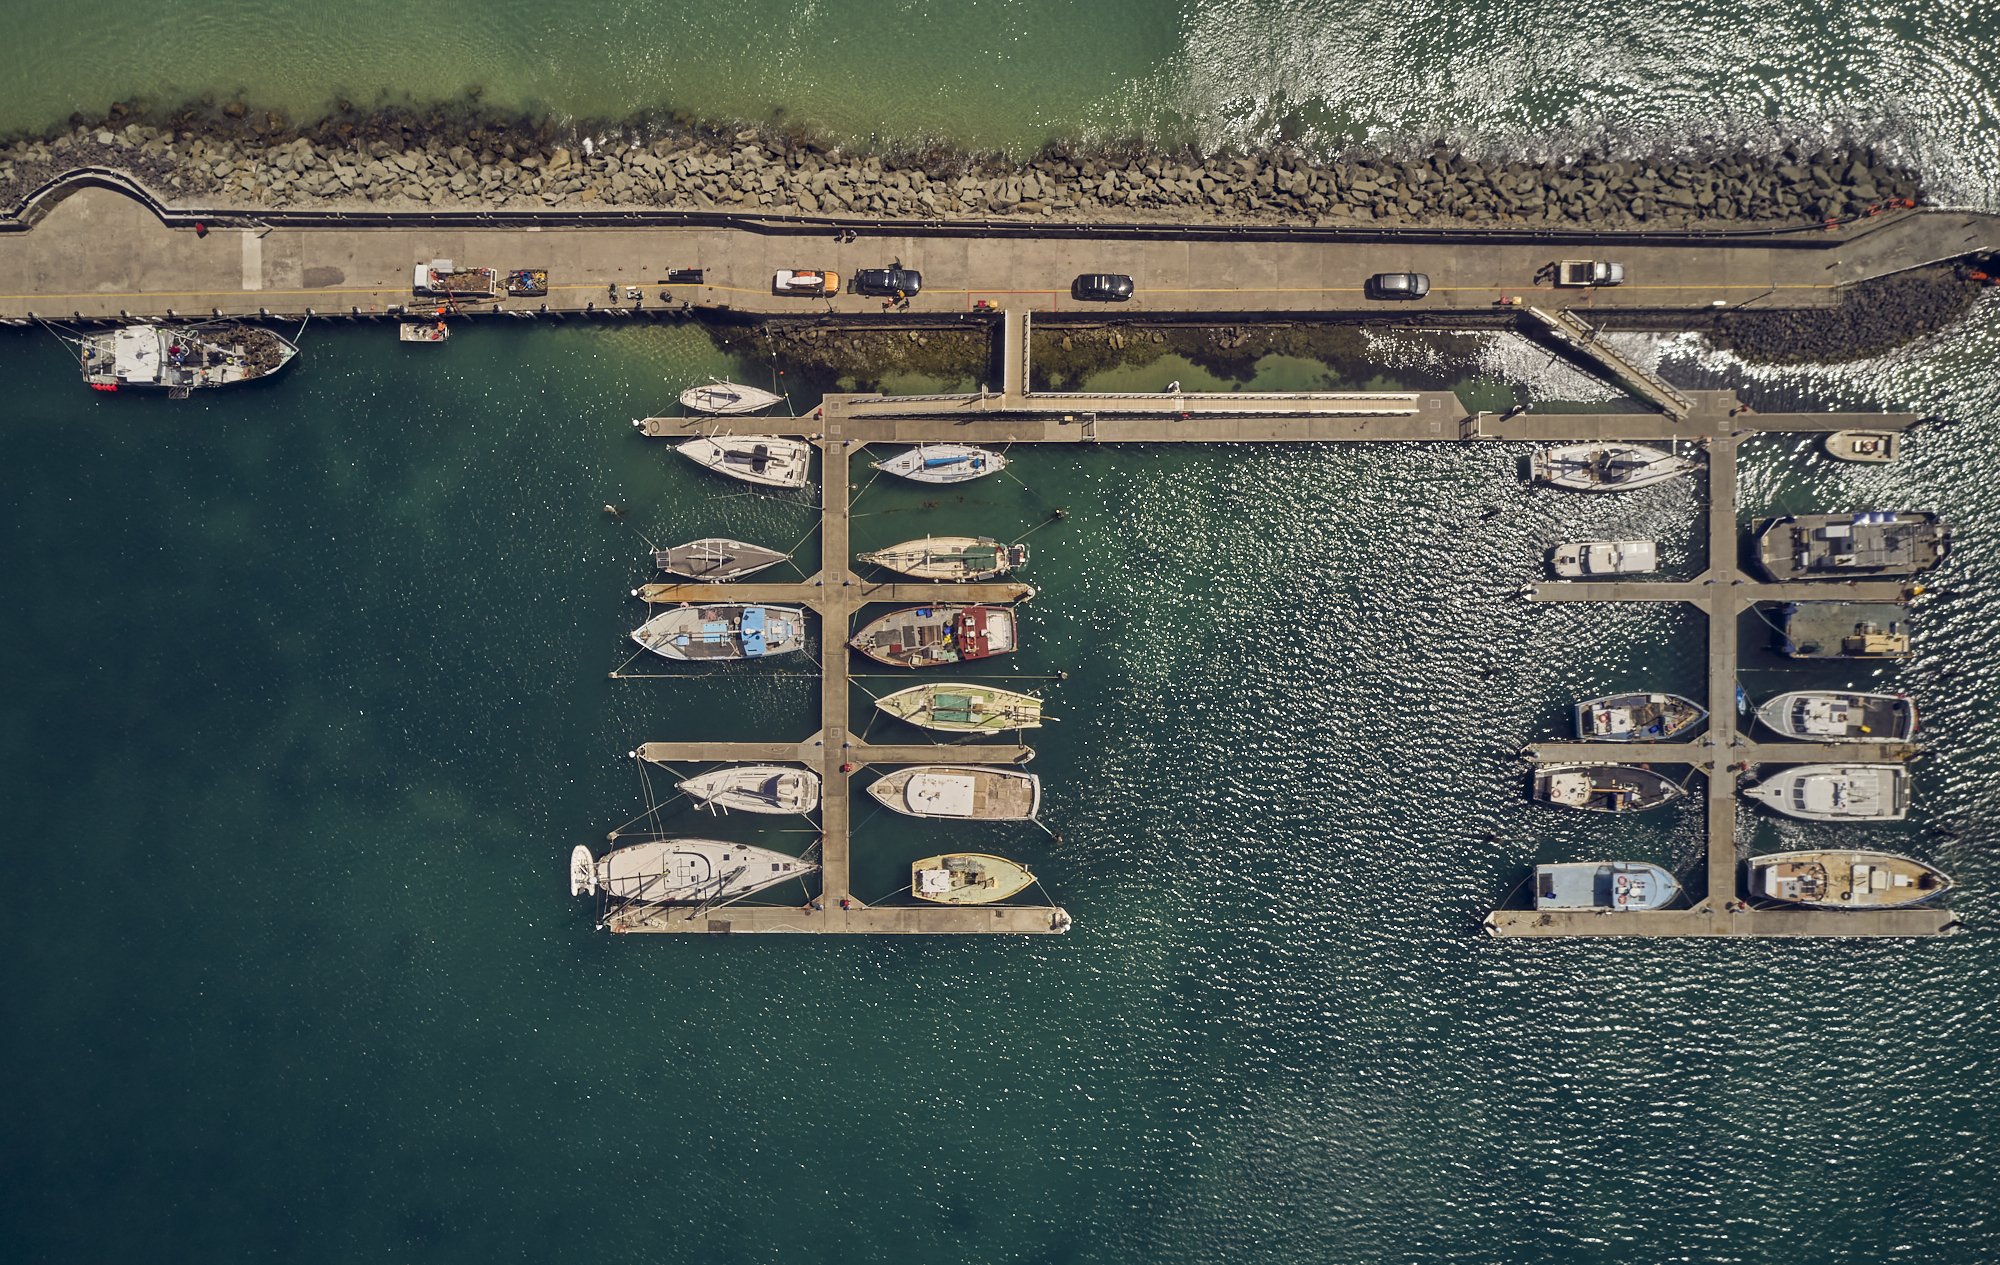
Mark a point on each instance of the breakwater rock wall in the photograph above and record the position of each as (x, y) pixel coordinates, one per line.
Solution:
(260, 162)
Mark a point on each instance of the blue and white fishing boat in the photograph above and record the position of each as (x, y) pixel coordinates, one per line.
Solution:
(729, 630)
(944, 463)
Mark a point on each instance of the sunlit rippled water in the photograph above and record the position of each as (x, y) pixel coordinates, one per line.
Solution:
(310, 703)
(319, 706)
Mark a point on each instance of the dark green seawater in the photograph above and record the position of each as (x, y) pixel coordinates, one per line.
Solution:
(308, 703)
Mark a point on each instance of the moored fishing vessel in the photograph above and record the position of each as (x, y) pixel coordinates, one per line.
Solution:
(931, 636)
(1865, 445)
(1577, 559)
(948, 558)
(1623, 886)
(1840, 716)
(1637, 717)
(962, 792)
(723, 630)
(1837, 792)
(769, 460)
(1842, 546)
(1843, 630)
(1604, 788)
(754, 788)
(967, 878)
(943, 463)
(681, 871)
(716, 558)
(727, 398)
(1605, 466)
(956, 707)
(181, 358)
(1845, 878)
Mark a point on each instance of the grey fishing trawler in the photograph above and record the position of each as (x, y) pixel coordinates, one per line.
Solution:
(1843, 546)
(1840, 716)
(1837, 792)
(1604, 788)
(1637, 717)
(1621, 886)
(1843, 630)
(178, 359)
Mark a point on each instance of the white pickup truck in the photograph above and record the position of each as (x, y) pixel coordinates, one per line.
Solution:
(1589, 272)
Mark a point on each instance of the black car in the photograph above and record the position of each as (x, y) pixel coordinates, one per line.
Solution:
(1101, 287)
(888, 282)
(1398, 285)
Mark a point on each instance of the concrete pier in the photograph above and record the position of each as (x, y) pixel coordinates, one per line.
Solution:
(101, 254)
(1712, 422)
(1722, 593)
(837, 594)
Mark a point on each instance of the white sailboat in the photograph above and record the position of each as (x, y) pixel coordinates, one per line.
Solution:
(728, 398)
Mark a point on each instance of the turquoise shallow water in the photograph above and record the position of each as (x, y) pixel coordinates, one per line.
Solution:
(1545, 75)
(309, 704)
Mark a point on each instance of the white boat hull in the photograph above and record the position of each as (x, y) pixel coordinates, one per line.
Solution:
(944, 463)
(773, 789)
(1606, 467)
(691, 871)
(1837, 792)
(728, 399)
(770, 461)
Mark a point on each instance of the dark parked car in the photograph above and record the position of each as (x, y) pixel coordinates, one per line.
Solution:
(1101, 287)
(1398, 285)
(886, 282)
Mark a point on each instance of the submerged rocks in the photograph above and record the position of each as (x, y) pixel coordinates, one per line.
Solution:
(228, 159)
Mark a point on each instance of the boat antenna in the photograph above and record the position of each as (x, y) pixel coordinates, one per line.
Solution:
(63, 333)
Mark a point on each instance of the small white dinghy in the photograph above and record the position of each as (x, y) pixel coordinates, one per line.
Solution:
(681, 871)
(944, 463)
(1864, 445)
(728, 398)
(755, 788)
(770, 461)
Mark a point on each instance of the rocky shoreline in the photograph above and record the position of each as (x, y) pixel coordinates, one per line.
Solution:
(234, 157)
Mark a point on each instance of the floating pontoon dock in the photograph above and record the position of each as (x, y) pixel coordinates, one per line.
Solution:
(1715, 422)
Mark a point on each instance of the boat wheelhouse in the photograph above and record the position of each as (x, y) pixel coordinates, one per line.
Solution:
(178, 359)
(1840, 716)
(934, 636)
(1617, 886)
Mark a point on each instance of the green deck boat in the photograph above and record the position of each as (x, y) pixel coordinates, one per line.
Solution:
(961, 708)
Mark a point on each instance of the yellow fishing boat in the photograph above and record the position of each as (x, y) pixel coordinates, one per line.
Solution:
(967, 878)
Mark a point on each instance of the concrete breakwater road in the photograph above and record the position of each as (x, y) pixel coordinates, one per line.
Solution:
(103, 254)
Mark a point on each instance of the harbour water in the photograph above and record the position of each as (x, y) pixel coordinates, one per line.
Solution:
(310, 705)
